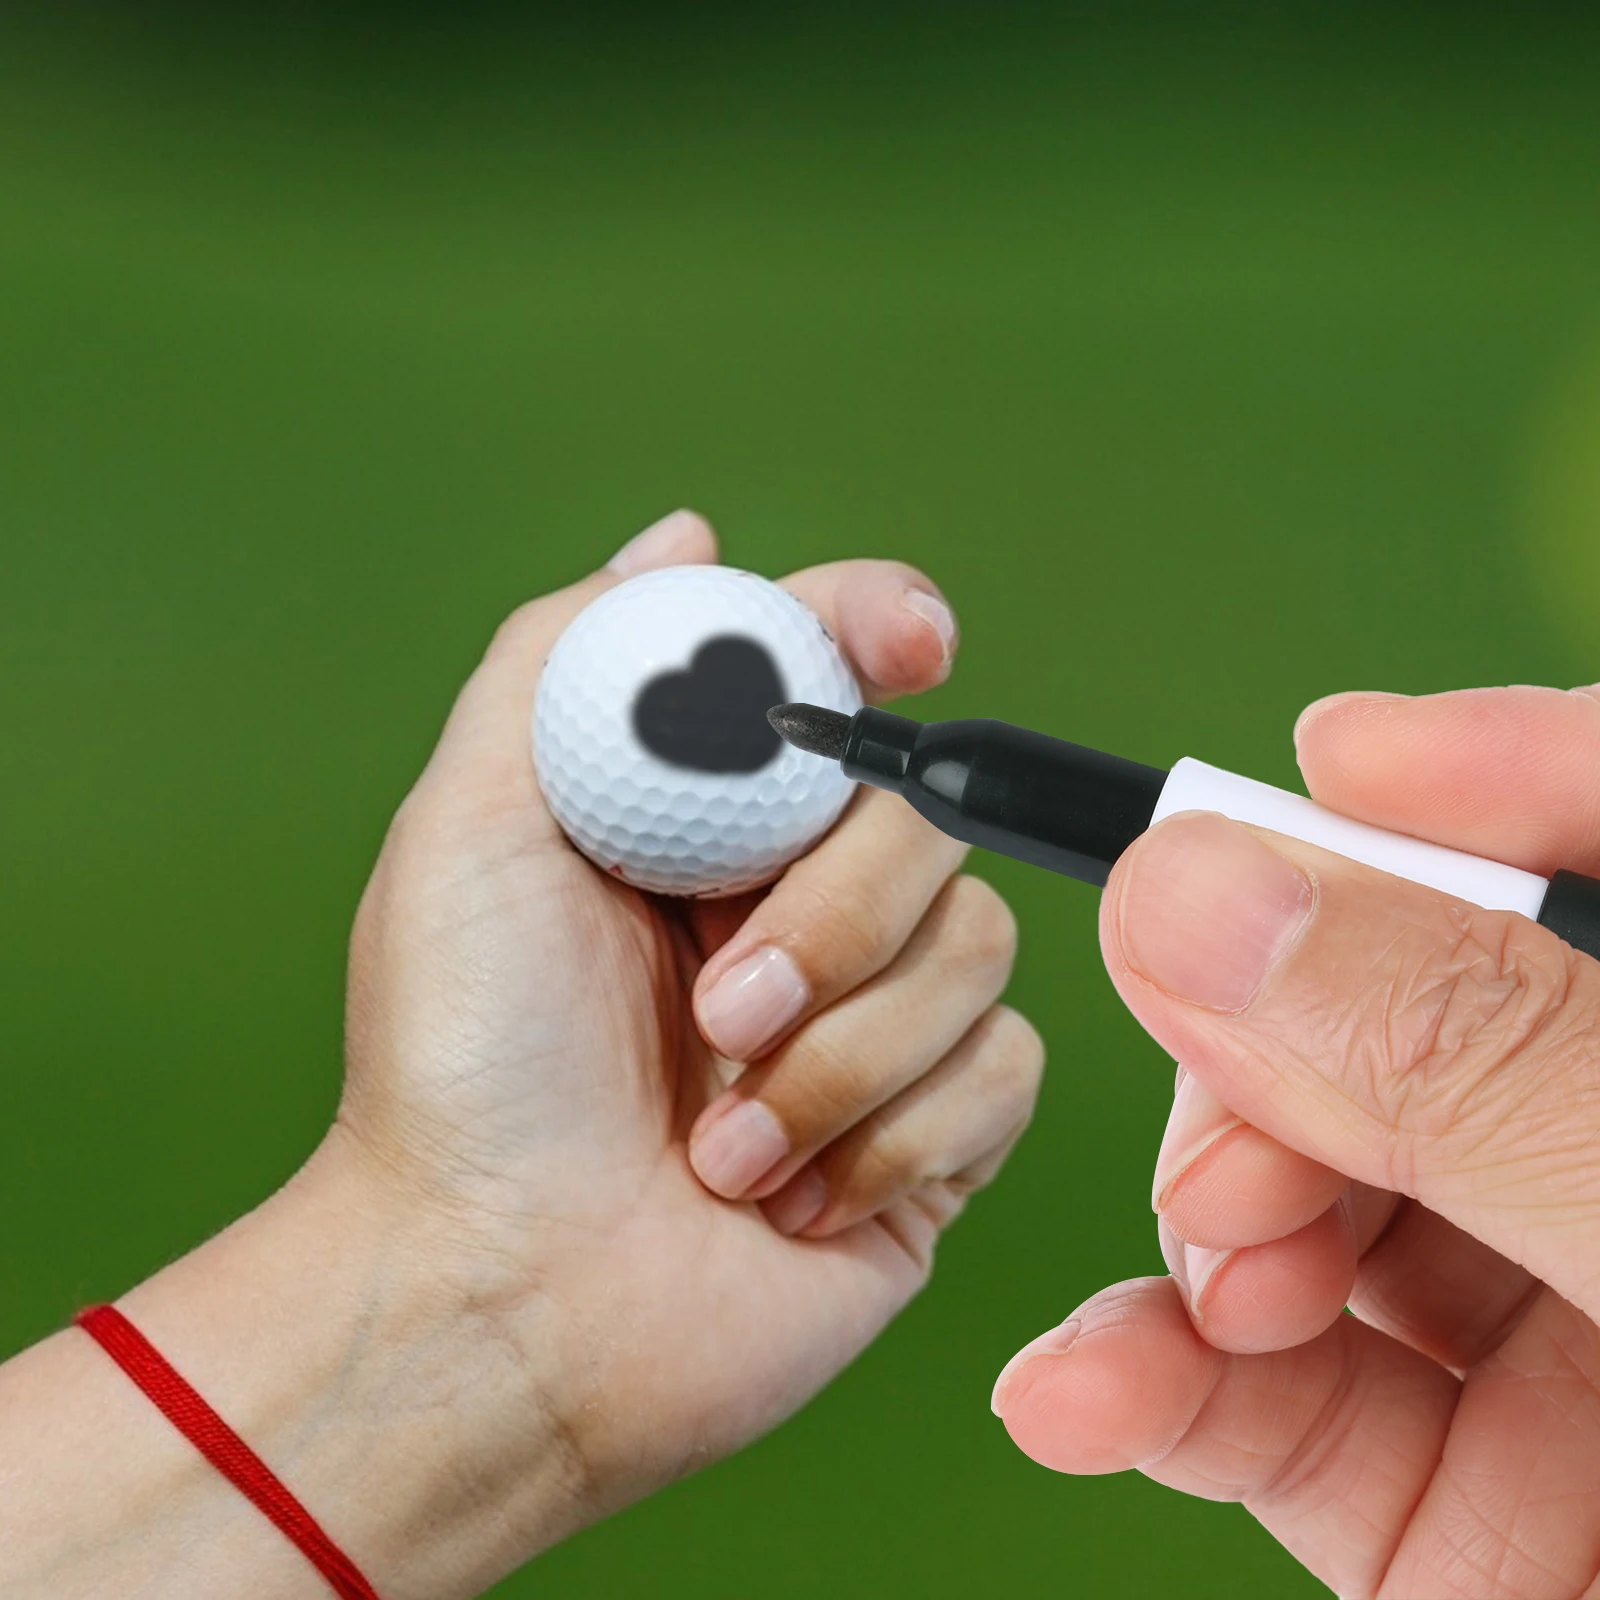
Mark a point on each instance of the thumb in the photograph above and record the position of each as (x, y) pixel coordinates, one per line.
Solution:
(1405, 1038)
(482, 761)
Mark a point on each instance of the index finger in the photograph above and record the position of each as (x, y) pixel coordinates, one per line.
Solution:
(1505, 773)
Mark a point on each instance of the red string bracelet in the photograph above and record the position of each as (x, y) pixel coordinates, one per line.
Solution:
(222, 1447)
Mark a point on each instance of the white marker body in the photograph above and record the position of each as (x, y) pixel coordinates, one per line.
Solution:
(1193, 786)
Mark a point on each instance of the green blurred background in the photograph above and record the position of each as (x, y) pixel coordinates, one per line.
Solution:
(1210, 364)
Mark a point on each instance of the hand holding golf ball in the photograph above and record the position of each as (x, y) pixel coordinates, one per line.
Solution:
(691, 1153)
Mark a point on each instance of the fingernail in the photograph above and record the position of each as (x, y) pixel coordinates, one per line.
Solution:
(1054, 1343)
(1172, 1248)
(1197, 1120)
(1200, 1268)
(936, 614)
(741, 1145)
(1208, 910)
(657, 545)
(800, 1203)
(748, 1005)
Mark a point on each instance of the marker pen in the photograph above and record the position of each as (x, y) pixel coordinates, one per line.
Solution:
(1075, 810)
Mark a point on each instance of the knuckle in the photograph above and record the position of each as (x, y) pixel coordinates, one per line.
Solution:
(887, 1166)
(1444, 1043)
(509, 635)
(819, 1087)
(1018, 1054)
(424, 844)
(986, 926)
(842, 931)
(407, 847)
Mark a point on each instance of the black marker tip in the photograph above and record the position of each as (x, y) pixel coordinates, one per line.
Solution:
(813, 728)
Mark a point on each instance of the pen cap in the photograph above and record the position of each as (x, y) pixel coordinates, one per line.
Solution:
(1041, 800)
(1194, 786)
(878, 748)
(1572, 909)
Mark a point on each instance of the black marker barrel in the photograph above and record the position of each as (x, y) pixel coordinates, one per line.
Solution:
(1045, 801)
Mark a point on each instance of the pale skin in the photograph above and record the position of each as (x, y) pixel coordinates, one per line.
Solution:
(525, 1279)
(1387, 1099)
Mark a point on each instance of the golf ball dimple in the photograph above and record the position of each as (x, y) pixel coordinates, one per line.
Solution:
(650, 736)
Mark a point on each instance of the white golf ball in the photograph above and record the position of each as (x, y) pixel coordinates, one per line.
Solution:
(651, 738)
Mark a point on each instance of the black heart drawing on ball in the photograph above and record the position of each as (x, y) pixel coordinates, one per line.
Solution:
(712, 717)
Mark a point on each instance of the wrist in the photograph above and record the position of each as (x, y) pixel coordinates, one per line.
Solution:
(397, 1393)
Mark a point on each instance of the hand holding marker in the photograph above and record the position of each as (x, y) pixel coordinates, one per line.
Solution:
(1075, 810)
